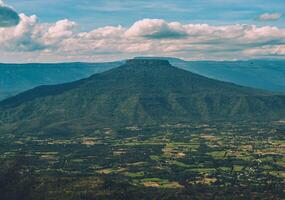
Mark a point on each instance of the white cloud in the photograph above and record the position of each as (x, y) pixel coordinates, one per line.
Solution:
(156, 28)
(29, 35)
(61, 29)
(8, 16)
(60, 41)
(270, 16)
(267, 50)
(57, 33)
(21, 37)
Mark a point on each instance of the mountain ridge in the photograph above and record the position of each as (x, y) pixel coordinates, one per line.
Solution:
(262, 74)
(146, 63)
(140, 92)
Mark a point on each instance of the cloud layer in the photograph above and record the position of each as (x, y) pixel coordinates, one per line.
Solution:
(31, 41)
(8, 17)
(270, 16)
(156, 29)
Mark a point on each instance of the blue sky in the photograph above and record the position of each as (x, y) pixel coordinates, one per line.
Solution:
(96, 13)
(104, 30)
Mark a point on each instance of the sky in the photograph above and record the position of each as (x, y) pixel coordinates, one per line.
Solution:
(107, 30)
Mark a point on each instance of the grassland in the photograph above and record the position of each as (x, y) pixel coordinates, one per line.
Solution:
(183, 161)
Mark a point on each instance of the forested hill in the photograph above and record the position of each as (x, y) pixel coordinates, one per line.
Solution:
(139, 92)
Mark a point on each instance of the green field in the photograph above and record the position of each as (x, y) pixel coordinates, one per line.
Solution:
(242, 160)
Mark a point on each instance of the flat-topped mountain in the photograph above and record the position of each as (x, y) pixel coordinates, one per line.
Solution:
(263, 74)
(141, 91)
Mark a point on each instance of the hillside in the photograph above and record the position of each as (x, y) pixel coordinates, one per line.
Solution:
(140, 92)
(17, 78)
(262, 74)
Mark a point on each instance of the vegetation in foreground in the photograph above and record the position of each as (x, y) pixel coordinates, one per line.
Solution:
(242, 160)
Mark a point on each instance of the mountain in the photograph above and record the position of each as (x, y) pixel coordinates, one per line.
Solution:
(140, 92)
(16, 78)
(262, 74)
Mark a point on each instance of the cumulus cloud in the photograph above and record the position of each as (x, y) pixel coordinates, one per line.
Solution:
(60, 41)
(270, 16)
(58, 32)
(8, 16)
(267, 50)
(29, 35)
(156, 28)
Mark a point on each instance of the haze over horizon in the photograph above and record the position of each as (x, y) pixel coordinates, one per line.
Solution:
(96, 31)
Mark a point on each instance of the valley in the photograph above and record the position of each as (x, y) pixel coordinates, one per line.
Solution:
(142, 100)
(144, 130)
(239, 160)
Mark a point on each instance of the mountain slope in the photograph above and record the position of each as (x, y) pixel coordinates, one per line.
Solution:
(138, 92)
(16, 78)
(263, 74)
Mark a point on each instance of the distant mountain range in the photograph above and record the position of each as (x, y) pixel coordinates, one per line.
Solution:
(16, 78)
(263, 74)
(140, 92)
